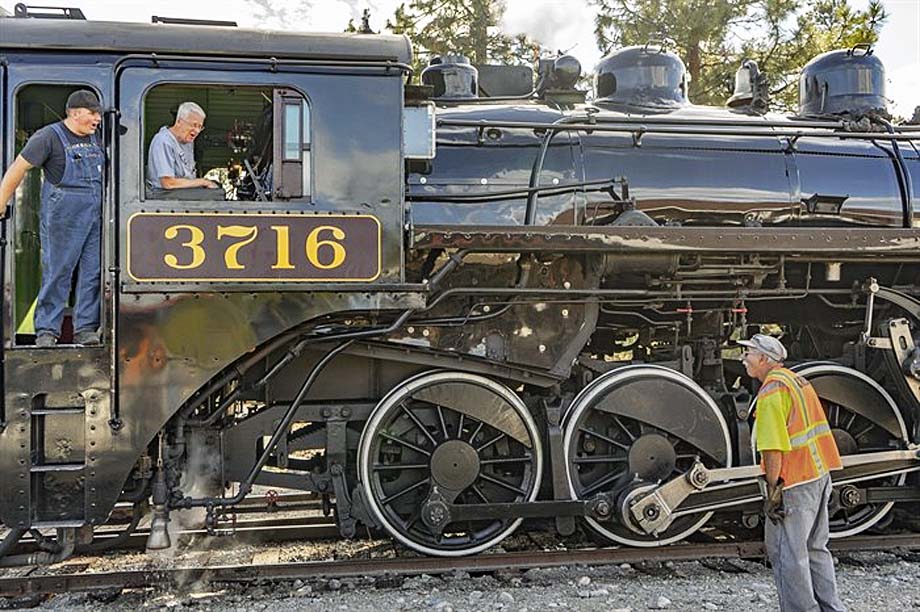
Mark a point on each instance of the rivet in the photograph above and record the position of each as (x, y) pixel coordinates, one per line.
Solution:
(565, 312)
(423, 180)
(542, 348)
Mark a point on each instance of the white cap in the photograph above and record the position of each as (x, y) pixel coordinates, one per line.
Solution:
(768, 345)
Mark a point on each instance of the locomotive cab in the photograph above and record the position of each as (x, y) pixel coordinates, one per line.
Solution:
(304, 134)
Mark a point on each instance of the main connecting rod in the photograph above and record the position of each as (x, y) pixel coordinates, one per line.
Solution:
(651, 511)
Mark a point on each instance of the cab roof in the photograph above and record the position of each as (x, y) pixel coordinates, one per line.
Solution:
(198, 40)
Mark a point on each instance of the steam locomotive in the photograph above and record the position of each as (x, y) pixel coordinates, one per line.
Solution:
(452, 307)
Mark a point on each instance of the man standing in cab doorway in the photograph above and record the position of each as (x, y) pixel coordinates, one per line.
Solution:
(797, 452)
(70, 219)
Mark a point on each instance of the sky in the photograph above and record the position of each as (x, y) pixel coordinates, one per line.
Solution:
(566, 25)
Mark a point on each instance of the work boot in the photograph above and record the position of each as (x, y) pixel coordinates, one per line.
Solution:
(45, 340)
(86, 336)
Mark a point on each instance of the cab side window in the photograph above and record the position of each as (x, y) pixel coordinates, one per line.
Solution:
(253, 143)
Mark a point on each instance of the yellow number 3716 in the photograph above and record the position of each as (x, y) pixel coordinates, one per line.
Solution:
(323, 247)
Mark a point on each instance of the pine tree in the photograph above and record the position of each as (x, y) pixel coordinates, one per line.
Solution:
(464, 27)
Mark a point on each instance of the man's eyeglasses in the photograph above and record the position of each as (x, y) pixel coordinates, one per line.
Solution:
(194, 125)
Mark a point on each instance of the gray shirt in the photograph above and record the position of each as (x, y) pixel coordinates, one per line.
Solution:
(44, 149)
(168, 157)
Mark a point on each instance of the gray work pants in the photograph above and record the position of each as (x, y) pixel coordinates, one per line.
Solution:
(802, 566)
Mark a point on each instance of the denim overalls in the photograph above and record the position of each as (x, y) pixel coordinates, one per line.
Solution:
(70, 222)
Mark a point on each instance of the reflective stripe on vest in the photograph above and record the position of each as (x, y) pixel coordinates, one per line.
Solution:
(814, 452)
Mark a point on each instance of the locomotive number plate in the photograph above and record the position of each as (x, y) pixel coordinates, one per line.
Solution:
(272, 248)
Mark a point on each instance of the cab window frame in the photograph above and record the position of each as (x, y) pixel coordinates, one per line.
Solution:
(268, 89)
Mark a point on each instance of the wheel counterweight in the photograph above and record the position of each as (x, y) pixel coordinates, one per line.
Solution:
(458, 432)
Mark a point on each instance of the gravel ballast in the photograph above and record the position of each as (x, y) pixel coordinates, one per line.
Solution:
(867, 581)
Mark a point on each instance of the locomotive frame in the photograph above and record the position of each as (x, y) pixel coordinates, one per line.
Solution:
(483, 359)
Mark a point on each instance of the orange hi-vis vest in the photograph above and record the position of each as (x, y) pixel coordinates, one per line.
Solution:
(814, 452)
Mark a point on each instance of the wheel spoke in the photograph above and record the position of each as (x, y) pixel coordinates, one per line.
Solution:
(402, 492)
(502, 483)
(606, 480)
(460, 426)
(850, 424)
(479, 494)
(443, 424)
(476, 431)
(599, 459)
(418, 423)
(392, 438)
(865, 431)
(479, 449)
(388, 467)
(624, 428)
(610, 441)
(416, 517)
(524, 459)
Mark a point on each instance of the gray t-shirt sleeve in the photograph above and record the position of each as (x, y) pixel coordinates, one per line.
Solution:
(38, 148)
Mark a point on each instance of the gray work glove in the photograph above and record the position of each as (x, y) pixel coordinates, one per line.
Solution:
(773, 502)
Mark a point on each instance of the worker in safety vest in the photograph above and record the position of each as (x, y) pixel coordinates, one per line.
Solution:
(797, 452)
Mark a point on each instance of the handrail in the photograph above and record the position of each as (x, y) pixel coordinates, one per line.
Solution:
(595, 115)
(649, 127)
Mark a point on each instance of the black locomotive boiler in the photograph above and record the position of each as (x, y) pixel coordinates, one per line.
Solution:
(446, 313)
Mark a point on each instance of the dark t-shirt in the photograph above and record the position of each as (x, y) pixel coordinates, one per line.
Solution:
(45, 150)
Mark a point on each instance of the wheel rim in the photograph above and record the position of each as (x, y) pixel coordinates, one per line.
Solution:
(854, 434)
(422, 432)
(602, 450)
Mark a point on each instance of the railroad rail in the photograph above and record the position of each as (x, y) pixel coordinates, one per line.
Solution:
(31, 583)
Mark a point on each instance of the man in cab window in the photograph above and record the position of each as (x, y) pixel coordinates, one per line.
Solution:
(70, 218)
(171, 159)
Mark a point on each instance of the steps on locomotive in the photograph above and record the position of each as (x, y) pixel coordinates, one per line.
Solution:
(54, 425)
(57, 459)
